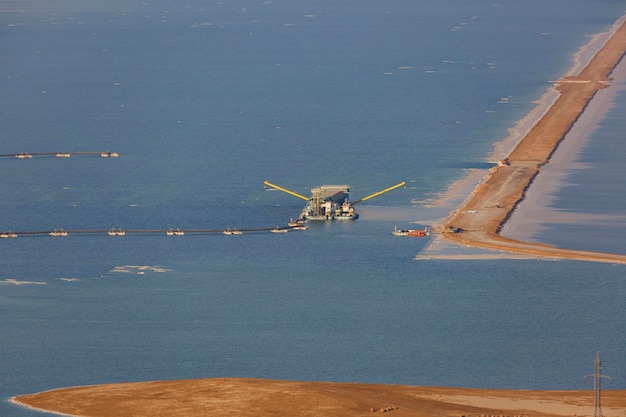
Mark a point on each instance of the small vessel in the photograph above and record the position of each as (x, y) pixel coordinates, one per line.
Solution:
(58, 233)
(295, 223)
(345, 212)
(116, 232)
(8, 235)
(279, 230)
(410, 232)
(23, 156)
(109, 154)
(62, 155)
(233, 232)
(400, 232)
(174, 232)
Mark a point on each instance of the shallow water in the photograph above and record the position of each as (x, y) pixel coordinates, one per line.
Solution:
(577, 201)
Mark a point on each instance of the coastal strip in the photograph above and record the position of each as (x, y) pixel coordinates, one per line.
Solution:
(479, 219)
(248, 397)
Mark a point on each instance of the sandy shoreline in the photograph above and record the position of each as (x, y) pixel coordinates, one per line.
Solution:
(246, 397)
(490, 205)
(536, 210)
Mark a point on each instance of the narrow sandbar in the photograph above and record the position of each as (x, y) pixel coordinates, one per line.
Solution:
(483, 214)
(537, 212)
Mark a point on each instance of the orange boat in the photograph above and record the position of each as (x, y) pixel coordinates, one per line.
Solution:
(410, 232)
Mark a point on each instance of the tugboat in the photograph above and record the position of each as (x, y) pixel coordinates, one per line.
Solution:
(297, 224)
(330, 202)
(410, 232)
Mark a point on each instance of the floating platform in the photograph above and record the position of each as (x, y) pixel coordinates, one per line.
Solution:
(166, 232)
(30, 155)
(330, 202)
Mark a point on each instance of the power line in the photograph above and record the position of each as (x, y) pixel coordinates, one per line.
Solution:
(597, 386)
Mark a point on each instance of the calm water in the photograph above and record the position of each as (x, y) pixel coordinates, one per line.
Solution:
(596, 192)
(205, 101)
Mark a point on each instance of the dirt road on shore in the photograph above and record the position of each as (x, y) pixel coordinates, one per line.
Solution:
(492, 202)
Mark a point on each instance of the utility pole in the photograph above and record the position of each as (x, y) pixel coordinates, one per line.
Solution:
(597, 387)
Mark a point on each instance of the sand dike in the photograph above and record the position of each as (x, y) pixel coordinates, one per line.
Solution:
(482, 215)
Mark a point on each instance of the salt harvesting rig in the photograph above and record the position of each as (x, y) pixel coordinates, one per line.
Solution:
(330, 202)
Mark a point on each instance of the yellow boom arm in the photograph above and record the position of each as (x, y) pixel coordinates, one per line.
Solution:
(380, 192)
(269, 184)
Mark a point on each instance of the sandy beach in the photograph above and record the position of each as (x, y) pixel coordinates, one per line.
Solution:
(483, 214)
(242, 397)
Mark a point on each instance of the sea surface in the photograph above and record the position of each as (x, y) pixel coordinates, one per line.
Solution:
(205, 100)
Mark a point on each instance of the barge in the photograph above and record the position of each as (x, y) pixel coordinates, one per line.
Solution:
(330, 202)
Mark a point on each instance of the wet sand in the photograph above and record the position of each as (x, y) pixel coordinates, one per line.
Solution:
(239, 397)
(483, 214)
(537, 212)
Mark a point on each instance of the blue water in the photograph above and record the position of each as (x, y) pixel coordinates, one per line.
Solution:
(205, 101)
(597, 189)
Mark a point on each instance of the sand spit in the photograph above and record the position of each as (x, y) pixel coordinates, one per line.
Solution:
(240, 397)
(492, 202)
